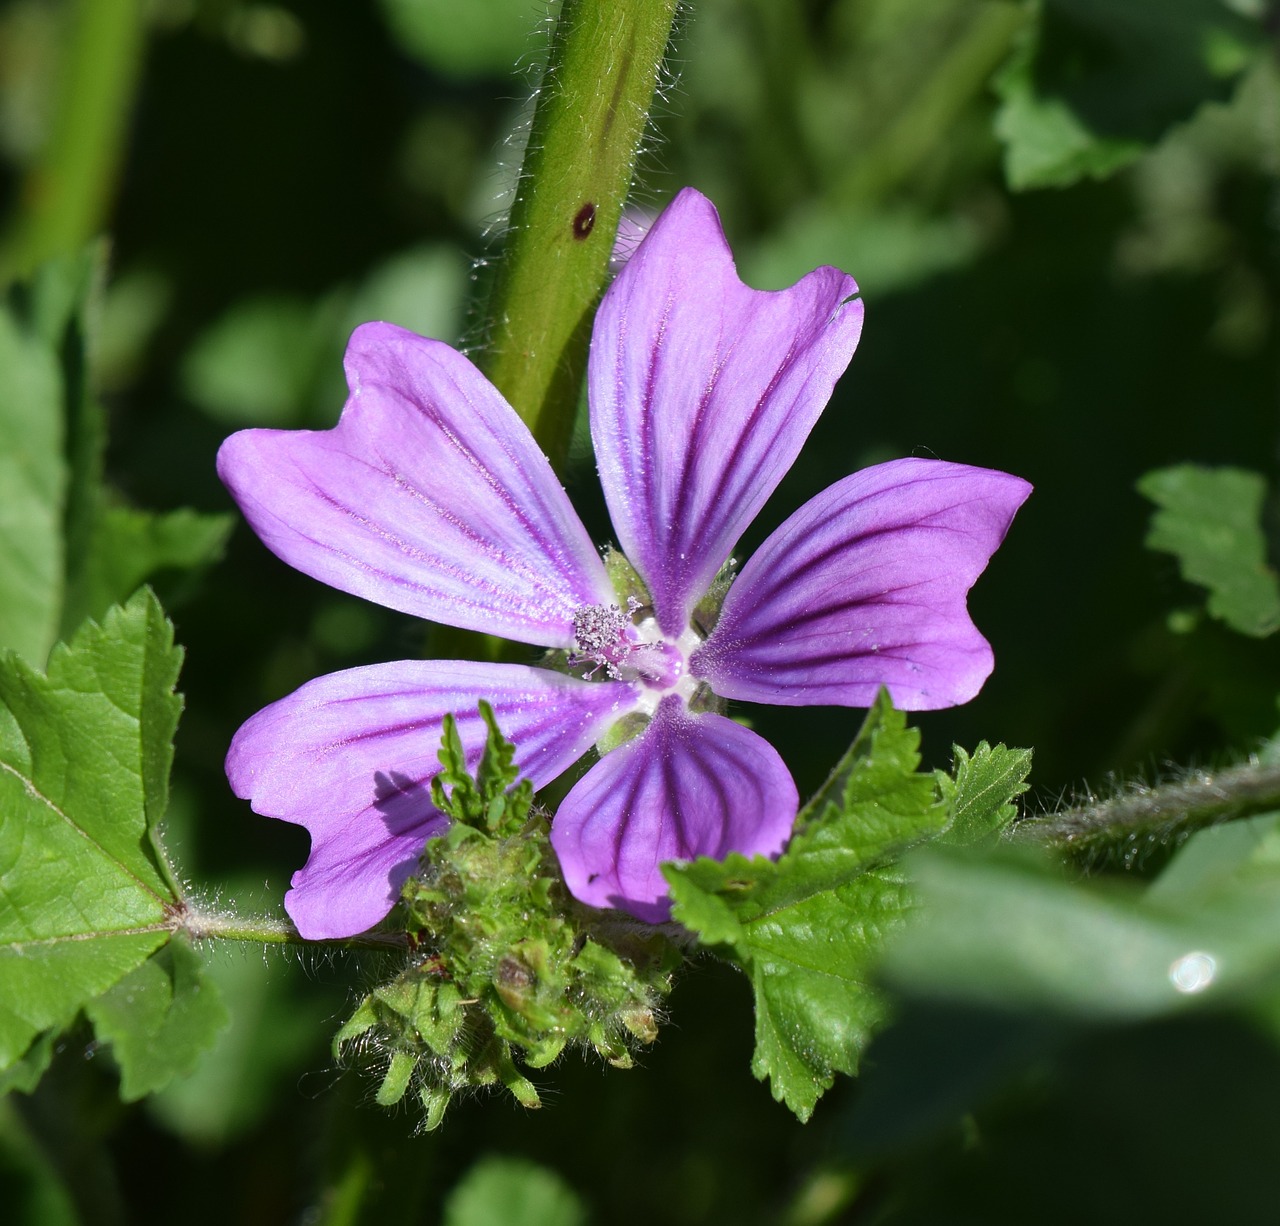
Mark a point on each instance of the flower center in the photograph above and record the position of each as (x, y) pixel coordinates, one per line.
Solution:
(603, 636)
(608, 638)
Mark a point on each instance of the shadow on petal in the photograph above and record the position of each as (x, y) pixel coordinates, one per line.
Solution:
(350, 756)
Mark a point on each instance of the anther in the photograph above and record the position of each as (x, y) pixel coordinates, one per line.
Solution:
(601, 633)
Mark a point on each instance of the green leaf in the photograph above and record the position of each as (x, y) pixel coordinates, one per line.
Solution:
(66, 553)
(31, 1185)
(422, 289)
(513, 1192)
(1008, 931)
(1046, 143)
(1012, 969)
(1221, 860)
(54, 313)
(984, 788)
(893, 249)
(1210, 519)
(129, 547)
(159, 1019)
(276, 360)
(24, 1075)
(808, 928)
(259, 364)
(1094, 82)
(85, 751)
(33, 477)
(495, 799)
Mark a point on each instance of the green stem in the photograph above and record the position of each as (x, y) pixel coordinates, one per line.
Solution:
(1203, 799)
(927, 119)
(590, 118)
(266, 930)
(67, 191)
(345, 1199)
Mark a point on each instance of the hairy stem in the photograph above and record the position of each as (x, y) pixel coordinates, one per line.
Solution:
(591, 115)
(1203, 799)
(266, 930)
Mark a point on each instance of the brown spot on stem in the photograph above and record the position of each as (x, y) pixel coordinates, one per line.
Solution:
(584, 221)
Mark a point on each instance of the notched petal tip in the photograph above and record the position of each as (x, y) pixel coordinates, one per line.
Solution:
(350, 757)
(702, 393)
(333, 897)
(688, 786)
(300, 761)
(866, 585)
(429, 496)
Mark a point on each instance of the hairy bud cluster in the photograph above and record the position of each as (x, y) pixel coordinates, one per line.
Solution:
(508, 969)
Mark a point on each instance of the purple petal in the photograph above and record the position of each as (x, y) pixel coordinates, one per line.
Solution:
(865, 586)
(702, 393)
(350, 756)
(688, 786)
(429, 496)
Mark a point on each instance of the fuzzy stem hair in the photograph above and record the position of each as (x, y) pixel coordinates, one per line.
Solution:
(1179, 807)
(592, 111)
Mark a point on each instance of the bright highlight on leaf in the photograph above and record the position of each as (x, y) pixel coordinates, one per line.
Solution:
(1008, 931)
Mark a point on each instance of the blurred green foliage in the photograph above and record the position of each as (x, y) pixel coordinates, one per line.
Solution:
(289, 168)
(1093, 83)
(512, 1192)
(1210, 519)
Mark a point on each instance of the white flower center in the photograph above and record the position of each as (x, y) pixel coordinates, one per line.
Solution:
(608, 638)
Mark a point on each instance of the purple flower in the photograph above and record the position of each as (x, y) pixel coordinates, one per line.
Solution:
(430, 496)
